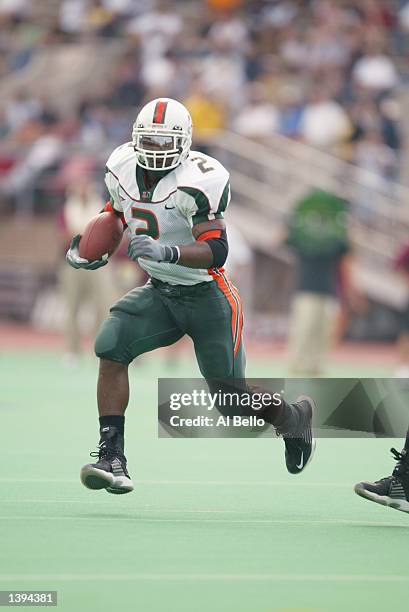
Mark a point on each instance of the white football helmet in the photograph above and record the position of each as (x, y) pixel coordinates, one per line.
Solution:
(162, 134)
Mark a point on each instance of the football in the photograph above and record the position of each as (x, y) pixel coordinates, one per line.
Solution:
(102, 234)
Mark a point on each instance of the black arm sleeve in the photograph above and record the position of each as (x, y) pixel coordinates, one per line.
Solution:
(220, 249)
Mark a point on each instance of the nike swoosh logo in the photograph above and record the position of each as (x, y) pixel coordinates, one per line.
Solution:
(301, 462)
(169, 207)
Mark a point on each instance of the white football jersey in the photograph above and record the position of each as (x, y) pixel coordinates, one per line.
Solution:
(198, 190)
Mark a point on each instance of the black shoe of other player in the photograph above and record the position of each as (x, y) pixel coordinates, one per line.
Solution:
(300, 443)
(109, 472)
(393, 490)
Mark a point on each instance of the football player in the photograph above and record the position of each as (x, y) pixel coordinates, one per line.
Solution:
(392, 491)
(172, 200)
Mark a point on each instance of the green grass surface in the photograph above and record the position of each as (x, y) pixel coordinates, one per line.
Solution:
(213, 525)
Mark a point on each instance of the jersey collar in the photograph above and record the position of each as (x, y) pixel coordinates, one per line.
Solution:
(146, 193)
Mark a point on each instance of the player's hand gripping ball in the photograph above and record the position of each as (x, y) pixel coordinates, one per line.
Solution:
(101, 237)
(74, 259)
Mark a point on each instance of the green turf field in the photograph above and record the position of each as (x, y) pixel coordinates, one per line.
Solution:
(213, 525)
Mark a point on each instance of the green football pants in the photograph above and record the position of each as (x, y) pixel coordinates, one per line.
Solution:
(159, 314)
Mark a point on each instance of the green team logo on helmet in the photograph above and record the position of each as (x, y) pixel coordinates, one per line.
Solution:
(319, 223)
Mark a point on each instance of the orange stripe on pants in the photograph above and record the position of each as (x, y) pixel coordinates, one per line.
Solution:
(233, 298)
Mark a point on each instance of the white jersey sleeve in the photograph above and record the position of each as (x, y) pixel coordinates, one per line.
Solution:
(118, 158)
(203, 188)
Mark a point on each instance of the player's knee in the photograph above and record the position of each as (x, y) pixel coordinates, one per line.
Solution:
(217, 365)
(107, 367)
(110, 343)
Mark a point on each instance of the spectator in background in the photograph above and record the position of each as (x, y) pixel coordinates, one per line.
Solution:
(379, 14)
(207, 114)
(77, 286)
(29, 174)
(21, 108)
(223, 70)
(318, 238)
(157, 30)
(93, 129)
(229, 31)
(402, 266)
(100, 17)
(259, 118)
(326, 48)
(390, 115)
(279, 14)
(158, 75)
(404, 17)
(230, 44)
(127, 90)
(364, 115)
(72, 15)
(324, 123)
(290, 107)
(240, 267)
(101, 21)
(223, 76)
(375, 70)
(371, 153)
(127, 7)
(293, 48)
(224, 5)
(15, 8)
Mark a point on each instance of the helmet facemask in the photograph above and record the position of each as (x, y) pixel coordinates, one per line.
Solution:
(159, 149)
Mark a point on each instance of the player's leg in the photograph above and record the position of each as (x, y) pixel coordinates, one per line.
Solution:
(393, 490)
(216, 331)
(138, 323)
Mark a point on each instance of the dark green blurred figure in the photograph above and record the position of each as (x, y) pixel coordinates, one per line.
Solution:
(318, 237)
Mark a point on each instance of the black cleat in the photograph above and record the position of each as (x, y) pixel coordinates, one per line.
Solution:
(300, 444)
(110, 471)
(392, 491)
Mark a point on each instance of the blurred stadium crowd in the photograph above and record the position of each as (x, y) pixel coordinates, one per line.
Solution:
(319, 71)
(328, 75)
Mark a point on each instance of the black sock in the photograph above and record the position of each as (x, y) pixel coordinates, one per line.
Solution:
(274, 414)
(114, 420)
(288, 420)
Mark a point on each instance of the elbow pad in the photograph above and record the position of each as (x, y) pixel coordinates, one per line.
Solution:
(217, 241)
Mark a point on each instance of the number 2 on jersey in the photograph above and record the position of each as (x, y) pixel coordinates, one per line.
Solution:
(202, 164)
(152, 225)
